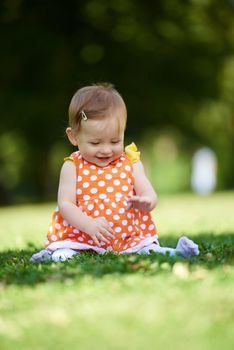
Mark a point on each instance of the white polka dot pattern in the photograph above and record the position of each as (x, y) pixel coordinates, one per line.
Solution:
(110, 189)
(103, 192)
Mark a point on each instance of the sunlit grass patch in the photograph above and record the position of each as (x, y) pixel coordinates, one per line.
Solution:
(121, 301)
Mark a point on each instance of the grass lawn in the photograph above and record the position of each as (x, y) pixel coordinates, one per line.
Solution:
(121, 302)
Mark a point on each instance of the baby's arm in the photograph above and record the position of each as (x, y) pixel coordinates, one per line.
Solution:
(145, 198)
(99, 230)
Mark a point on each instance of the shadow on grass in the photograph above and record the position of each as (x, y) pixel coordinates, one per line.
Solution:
(15, 268)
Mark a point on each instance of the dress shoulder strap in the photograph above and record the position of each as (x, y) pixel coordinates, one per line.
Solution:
(74, 157)
(132, 153)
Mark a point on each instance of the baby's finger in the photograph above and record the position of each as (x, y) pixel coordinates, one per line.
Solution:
(131, 202)
(107, 233)
(94, 238)
(146, 200)
(133, 199)
(110, 234)
(102, 238)
(107, 227)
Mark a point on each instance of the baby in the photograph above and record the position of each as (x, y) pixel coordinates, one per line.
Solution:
(104, 195)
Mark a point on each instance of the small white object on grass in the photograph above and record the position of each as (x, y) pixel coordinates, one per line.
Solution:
(204, 164)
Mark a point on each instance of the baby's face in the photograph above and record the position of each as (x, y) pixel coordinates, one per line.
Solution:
(100, 141)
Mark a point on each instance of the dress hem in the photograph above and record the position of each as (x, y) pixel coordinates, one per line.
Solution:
(81, 246)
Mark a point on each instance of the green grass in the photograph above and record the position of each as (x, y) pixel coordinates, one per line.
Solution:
(118, 302)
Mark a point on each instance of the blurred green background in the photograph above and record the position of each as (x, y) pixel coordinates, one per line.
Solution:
(172, 61)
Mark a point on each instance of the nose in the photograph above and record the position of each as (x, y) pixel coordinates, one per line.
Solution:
(106, 150)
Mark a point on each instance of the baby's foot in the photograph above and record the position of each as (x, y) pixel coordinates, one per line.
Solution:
(43, 255)
(63, 254)
(187, 247)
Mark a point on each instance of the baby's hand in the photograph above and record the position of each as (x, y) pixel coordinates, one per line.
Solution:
(101, 231)
(143, 203)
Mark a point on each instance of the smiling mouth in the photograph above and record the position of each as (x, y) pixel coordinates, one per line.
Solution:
(103, 158)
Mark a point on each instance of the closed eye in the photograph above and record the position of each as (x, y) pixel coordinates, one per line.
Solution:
(115, 141)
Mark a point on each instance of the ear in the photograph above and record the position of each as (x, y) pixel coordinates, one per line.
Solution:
(71, 136)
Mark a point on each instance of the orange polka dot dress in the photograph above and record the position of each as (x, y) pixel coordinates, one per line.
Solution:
(102, 192)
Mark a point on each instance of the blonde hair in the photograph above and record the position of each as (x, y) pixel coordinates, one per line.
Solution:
(97, 102)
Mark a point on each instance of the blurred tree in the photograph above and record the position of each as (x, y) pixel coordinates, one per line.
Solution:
(171, 60)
